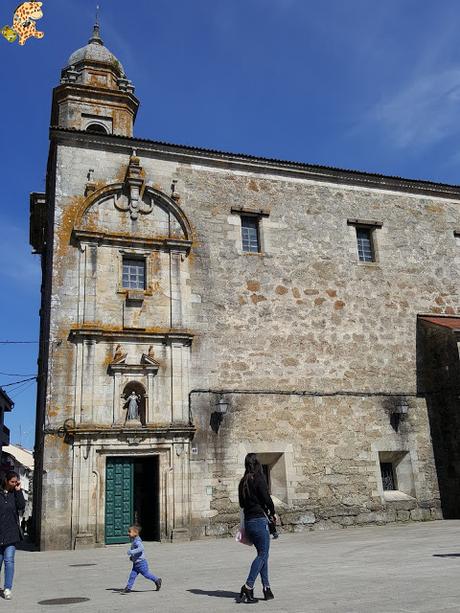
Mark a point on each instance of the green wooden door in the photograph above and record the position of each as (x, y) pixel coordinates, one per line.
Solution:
(119, 481)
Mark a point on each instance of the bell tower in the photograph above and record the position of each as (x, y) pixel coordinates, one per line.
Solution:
(94, 94)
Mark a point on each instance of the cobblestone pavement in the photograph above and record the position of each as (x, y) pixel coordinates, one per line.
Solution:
(411, 568)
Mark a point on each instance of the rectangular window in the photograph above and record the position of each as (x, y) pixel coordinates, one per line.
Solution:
(250, 234)
(365, 246)
(133, 273)
(388, 476)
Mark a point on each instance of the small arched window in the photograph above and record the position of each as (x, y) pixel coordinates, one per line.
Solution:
(96, 128)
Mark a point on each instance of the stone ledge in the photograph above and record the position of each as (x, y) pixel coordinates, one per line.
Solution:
(110, 333)
(396, 495)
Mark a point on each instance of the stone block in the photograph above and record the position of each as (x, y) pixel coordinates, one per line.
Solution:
(217, 530)
(296, 518)
(420, 514)
(436, 513)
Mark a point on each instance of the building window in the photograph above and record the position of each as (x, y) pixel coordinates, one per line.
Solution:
(365, 246)
(250, 234)
(365, 237)
(96, 128)
(388, 476)
(133, 273)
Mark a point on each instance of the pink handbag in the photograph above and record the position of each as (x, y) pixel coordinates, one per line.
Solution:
(241, 536)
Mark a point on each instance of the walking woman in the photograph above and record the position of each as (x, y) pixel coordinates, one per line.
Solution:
(11, 503)
(258, 511)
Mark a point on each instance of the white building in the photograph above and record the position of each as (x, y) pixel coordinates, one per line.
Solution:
(21, 461)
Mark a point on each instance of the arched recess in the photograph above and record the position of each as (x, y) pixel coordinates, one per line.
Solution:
(96, 128)
(150, 196)
(139, 389)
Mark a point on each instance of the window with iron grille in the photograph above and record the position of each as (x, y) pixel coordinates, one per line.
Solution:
(388, 476)
(250, 234)
(133, 273)
(365, 246)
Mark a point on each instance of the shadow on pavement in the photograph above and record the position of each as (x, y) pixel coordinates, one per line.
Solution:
(119, 590)
(216, 593)
(81, 565)
(26, 545)
(446, 555)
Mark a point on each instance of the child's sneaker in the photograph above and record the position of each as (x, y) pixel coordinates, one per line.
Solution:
(7, 594)
(125, 591)
(158, 584)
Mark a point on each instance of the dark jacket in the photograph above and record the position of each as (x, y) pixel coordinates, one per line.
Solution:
(256, 502)
(11, 503)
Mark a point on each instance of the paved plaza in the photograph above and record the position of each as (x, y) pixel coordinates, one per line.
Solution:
(411, 568)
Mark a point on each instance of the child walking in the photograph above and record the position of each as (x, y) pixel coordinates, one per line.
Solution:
(137, 557)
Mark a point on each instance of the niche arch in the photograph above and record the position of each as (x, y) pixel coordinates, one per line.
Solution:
(139, 389)
(150, 197)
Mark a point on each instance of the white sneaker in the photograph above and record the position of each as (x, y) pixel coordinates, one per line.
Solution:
(7, 594)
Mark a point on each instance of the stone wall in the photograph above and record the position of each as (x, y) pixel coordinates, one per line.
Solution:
(304, 315)
(439, 380)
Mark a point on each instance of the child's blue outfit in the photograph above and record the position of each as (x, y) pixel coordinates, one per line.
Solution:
(140, 564)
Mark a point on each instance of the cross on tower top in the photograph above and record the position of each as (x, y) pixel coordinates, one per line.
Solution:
(96, 37)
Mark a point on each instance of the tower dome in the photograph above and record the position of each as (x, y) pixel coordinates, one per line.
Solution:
(95, 51)
(94, 94)
(95, 65)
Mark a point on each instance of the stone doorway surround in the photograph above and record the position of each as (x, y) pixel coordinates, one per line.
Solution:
(88, 500)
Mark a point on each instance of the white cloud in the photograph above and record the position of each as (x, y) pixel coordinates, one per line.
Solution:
(422, 113)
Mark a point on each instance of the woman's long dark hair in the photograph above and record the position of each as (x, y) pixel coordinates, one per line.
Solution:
(252, 468)
(9, 475)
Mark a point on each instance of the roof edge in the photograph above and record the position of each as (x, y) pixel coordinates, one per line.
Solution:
(451, 322)
(315, 172)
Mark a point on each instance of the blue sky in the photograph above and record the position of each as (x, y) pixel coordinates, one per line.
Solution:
(359, 84)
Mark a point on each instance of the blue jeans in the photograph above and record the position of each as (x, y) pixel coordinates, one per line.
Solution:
(140, 568)
(257, 530)
(7, 555)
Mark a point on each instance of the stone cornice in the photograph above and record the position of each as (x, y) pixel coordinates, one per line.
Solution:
(101, 333)
(121, 431)
(133, 368)
(248, 163)
(81, 90)
(104, 238)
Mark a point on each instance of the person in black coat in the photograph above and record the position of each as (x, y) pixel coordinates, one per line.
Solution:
(12, 502)
(259, 510)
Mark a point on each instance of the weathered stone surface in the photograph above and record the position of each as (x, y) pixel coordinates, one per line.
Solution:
(217, 530)
(309, 345)
(298, 518)
(420, 515)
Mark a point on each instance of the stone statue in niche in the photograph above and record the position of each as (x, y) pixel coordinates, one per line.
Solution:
(133, 403)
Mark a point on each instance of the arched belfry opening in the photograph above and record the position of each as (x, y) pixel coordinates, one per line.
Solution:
(96, 128)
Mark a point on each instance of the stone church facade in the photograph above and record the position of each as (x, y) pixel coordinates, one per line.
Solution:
(245, 304)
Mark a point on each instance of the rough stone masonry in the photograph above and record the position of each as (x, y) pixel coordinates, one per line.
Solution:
(253, 305)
